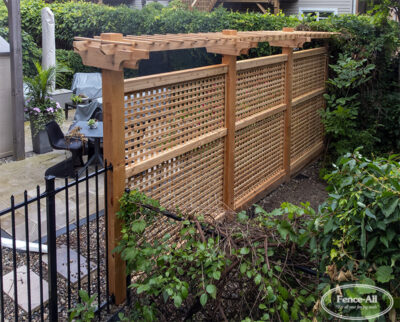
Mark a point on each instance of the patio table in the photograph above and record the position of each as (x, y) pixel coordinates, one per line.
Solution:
(97, 135)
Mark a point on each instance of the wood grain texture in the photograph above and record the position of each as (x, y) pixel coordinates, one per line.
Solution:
(114, 153)
(288, 113)
(127, 51)
(176, 131)
(145, 82)
(230, 120)
(18, 102)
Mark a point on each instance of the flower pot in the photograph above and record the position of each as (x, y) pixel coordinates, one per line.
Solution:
(40, 141)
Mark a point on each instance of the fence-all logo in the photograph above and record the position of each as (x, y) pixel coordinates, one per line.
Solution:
(357, 302)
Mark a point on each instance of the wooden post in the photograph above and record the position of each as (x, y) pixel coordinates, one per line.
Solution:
(276, 7)
(230, 118)
(288, 113)
(114, 153)
(14, 25)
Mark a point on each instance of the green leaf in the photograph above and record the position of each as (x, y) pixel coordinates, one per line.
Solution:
(177, 300)
(242, 217)
(384, 241)
(284, 316)
(243, 268)
(384, 274)
(138, 226)
(363, 239)
(257, 279)
(216, 275)
(283, 292)
(389, 208)
(212, 290)
(203, 299)
(371, 244)
(84, 295)
(390, 234)
(347, 181)
(369, 213)
(328, 226)
(244, 250)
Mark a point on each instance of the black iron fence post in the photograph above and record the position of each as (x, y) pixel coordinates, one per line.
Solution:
(51, 247)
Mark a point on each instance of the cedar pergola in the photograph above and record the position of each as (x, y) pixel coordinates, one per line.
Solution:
(115, 52)
(112, 52)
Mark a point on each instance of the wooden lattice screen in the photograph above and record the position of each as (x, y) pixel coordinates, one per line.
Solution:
(174, 129)
(207, 140)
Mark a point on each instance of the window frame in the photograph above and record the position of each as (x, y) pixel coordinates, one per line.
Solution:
(317, 10)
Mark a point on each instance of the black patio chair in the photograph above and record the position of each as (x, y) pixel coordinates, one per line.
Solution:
(98, 115)
(58, 142)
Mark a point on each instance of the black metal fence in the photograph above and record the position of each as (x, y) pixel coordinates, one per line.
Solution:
(53, 244)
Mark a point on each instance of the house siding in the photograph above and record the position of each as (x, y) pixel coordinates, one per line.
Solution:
(137, 4)
(293, 8)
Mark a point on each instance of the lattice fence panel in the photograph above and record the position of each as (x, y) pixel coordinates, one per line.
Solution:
(308, 74)
(192, 181)
(258, 153)
(259, 88)
(160, 118)
(307, 128)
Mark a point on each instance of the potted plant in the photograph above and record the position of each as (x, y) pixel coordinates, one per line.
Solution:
(92, 123)
(78, 99)
(41, 108)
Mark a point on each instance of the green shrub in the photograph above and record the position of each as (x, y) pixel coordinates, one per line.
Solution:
(360, 221)
(374, 122)
(176, 273)
(74, 62)
(30, 52)
(372, 40)
(340, 117)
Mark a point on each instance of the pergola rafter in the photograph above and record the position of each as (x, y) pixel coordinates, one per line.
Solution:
(118, 52)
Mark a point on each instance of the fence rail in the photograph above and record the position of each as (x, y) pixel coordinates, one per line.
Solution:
(176, 129)
(59, 248)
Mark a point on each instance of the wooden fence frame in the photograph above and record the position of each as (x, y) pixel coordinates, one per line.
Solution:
(113, 52)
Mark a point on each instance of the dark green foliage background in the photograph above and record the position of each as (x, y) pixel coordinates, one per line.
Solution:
(363, 37)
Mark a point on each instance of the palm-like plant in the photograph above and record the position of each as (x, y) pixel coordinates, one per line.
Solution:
(40, 107)
(40, 85)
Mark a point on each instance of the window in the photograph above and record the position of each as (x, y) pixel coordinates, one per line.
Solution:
(319, 13)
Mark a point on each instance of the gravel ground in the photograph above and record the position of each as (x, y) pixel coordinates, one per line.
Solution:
(62, 291)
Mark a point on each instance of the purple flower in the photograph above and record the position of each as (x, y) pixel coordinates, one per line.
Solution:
(36, 109)
(58, 105)
(50, 110)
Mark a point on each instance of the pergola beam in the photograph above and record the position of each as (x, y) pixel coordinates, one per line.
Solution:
(128, 51)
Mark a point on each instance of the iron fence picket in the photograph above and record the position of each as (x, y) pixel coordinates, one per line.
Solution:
(88, 231)
(68, 245)
(34, 262)
(14, 255)
(40, 254)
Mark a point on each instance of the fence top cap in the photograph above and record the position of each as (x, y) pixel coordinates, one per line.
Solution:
(114, 51)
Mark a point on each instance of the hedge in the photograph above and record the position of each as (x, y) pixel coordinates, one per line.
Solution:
(30, 51)
(372, 38)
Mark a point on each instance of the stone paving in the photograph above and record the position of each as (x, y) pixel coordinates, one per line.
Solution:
(22, 285)
(18, 176)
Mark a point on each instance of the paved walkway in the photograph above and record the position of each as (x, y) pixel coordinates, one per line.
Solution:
(18, 176)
